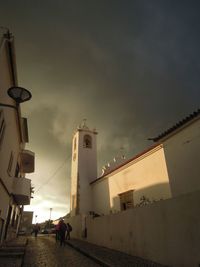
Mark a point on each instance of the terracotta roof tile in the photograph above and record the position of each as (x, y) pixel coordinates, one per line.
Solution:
(176, 126)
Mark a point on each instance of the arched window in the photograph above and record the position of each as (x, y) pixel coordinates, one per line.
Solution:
(87, 141)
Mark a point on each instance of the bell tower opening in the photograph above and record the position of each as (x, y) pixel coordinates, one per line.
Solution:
(87, 141)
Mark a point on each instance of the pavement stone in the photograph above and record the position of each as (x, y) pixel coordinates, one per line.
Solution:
(44, 251)
(108, 257)
(10, 262)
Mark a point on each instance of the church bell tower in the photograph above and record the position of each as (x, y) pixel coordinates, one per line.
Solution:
(83, 169)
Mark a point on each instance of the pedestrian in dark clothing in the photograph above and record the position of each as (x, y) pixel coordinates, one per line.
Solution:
(69, 229)
(62, 230)
(36, 229)
(57, 232)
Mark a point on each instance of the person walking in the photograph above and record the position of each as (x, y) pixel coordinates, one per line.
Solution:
(57, 232)
(36, 229)
(62, 230)
(69, 229)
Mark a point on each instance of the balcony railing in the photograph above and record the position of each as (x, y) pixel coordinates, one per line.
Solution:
(27, 161)
(21, 190)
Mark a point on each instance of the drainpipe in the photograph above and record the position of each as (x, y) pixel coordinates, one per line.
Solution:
(9, 38)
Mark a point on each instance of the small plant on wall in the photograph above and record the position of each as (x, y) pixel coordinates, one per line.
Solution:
(146, 201)
(143, 201)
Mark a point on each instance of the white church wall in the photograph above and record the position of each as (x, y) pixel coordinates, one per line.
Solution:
(167, 232)
(146, 175)
(77, 226)
(101, 197)
(182, 152)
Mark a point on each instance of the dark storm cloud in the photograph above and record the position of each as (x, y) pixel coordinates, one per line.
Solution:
(130, 67)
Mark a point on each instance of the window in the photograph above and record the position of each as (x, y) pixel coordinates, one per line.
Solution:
(126, 200)
(17, 170)
(13, 217)
(10, 164)
(1, 227)
(87, 141)
(2, 127)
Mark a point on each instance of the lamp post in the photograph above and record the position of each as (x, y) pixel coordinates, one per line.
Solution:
(50, 218)
(35, 219)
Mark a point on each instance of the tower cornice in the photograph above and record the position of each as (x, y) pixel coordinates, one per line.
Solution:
(87, 130)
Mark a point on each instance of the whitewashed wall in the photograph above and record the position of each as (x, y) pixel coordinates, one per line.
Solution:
(77, 226)
(147, 176)
(182, 152)
(167, 232)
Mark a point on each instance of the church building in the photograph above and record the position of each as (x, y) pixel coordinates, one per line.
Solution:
(153, 196)
(164, 170)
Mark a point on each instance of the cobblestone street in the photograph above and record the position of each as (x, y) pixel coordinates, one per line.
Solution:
(44, 251)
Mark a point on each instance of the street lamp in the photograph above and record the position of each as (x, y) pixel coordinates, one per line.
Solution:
(50, 218)
(50, 213)
(19, 95)
(35, 219)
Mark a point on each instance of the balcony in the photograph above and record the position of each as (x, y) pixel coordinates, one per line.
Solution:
(27, 161)
(21, 190)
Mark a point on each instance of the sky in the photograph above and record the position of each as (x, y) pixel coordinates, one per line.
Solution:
(131, 68)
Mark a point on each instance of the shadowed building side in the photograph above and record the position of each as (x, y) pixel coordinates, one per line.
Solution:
(15, 161)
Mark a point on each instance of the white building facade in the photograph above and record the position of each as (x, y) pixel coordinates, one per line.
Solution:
(181, 144)
(15, 161)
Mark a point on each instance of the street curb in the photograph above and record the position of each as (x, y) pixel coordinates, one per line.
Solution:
(94, 258)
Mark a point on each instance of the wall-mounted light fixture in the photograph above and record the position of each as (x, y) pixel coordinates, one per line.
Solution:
(19, 95)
